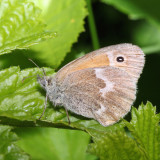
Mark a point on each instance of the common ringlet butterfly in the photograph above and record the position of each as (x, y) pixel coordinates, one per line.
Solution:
(100, 85)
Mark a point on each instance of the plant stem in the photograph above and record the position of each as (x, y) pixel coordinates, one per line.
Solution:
(92, 26)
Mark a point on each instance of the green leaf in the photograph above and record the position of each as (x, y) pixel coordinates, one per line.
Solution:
(67, 19)
(139, 9)
(116, 145)
(52, 143)
(20, 98)
(20, 25)
(145, 122)
(8, 149)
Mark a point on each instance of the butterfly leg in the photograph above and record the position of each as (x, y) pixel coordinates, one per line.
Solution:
(69, 122)
(45, 106)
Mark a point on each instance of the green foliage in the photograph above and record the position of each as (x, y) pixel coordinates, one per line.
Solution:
(20, 25)
(138, 9)
(54, 142)
(141, 9)
(67, 19)
(150, 45)
(145, 124)
(20, 98)
(116, 146)
(8, 149)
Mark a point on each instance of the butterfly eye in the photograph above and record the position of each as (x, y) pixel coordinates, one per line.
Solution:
(49, 81)
(120, 59)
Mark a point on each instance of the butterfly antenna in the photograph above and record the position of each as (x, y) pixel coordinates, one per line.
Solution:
(33, 75)
(38, 66)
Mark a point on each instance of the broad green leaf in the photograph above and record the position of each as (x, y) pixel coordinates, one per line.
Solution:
(8, 148)
(20, 25)
(20, 98)
(67, 19)
(52, 143)
(145, 124)
(23, 102)
(116, 145)
(139, 9)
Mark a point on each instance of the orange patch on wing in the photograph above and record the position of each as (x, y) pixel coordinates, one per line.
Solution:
(97, 61)
(100, 60)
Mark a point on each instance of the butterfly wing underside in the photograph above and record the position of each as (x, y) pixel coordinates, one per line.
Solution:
(105, 93)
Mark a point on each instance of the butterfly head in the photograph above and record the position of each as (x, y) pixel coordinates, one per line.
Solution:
(44, 81)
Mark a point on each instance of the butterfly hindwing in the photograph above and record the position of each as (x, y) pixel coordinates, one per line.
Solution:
(105, 94)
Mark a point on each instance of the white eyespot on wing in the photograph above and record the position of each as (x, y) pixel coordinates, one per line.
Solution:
(109, 85)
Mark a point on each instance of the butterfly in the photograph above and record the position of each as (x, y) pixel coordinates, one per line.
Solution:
(100, 85)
